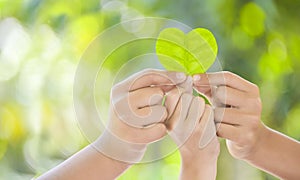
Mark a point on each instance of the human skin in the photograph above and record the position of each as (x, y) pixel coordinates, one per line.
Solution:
(145, 93)
(192, 128)
(200, 163)
(238, 118)
(90, 163)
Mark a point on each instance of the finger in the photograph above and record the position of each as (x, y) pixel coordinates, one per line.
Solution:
(165, 88)
(145, 97)
(185, 127)
(146, 134)
(172, 96)
(206, 90)
(229, 116)
(207, 127)
(172, 100)
(187, 85)
(140, 117)
(228, 131)
(181, 111)
(151, 77)
(197, 109)
(150, 115)
(229, 96)
(226, 79)
(195, 112)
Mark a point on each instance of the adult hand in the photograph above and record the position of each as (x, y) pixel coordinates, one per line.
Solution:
(237, 110)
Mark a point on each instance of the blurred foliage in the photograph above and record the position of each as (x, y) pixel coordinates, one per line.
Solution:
(41, 42)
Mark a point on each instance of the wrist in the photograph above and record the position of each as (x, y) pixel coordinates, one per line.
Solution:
(264, 135)
(206, 155)
(197, 162)
(198, 165)
(198, 169)
(119, 149)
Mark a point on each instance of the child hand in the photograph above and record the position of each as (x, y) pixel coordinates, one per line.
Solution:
(237, 111)
(193, 129)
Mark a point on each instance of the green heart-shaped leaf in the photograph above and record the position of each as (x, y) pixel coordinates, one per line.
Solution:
(191, 53)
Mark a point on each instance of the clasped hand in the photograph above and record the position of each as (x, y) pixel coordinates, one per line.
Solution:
(147, 106)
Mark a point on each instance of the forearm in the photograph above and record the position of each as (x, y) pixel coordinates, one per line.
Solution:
(204, 170)
(87, 164)
(277, 154)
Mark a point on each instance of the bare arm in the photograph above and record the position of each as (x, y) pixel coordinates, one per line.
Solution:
(200, 163)
(238, 117)
(192, 128)
(277, 154)
(136, 119)
(87, 164)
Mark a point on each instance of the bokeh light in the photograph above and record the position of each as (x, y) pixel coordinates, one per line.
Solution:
(41, 42)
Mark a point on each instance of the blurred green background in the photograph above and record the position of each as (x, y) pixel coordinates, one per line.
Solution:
(41, 42)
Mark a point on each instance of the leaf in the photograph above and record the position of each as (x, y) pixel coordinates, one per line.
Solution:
(191, 53)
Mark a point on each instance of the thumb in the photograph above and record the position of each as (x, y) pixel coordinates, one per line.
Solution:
(150, 77)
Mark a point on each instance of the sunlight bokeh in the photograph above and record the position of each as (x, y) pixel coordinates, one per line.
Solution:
(42, 42)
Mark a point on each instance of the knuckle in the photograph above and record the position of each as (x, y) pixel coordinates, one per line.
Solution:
(148, 71)
(228, 75)
(114, 90)
(254, 124)
(116, 86)
(256, 89)
(220, 93)
(256, 105)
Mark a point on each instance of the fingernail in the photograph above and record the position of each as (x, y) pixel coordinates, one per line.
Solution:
(180, 75)
(196, 77)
